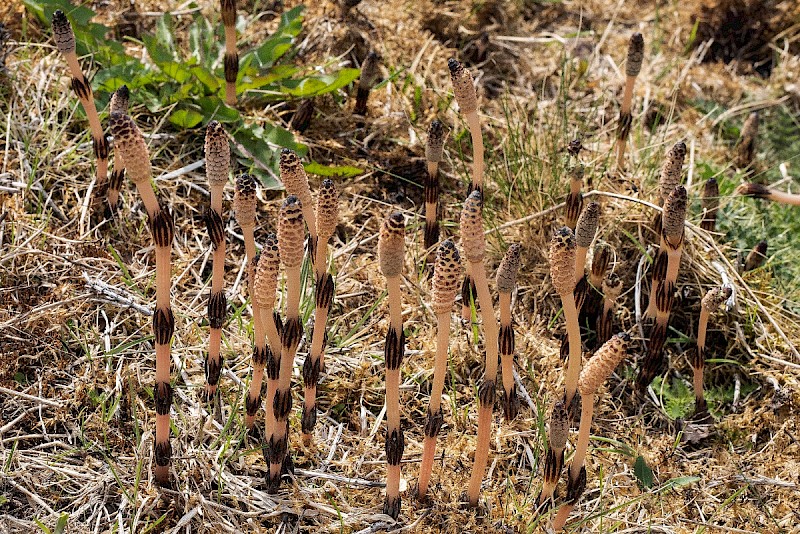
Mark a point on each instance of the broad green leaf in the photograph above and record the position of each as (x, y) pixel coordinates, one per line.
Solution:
(158, 53)
(314, 86)
(185, 118)
(292, 21)
(346, 171)
(177, 71)
(276, 74)
(206, 78)
(215, 109)
(268, 53)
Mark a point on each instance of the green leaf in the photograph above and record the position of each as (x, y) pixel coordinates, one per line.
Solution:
(42, 526)
(314, 86)
(276, 73)
(61, 524)
(678, 482)
(643, 473)
(257, 146)
(214, 108)
(207, 78)
(292, 21)
(3, 500)
(164, 35)
(345, 171)
(268, 53)
(186, 118)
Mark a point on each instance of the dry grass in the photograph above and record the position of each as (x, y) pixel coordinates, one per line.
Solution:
(77, 415)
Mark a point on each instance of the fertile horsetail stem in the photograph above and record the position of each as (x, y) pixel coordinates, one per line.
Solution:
(473, 243)
(131, 145)
(596, 371)
(370, 73)
(244, 208)
(557, 441)
(574, 202)
(290, 251)
(746, 147)
(710, 303)
(562, 273)
(265, 355)
(467, 99)
(710, 203)
(295, 180)
(592, 308)
(757, 257)
(612, 287)
(585, 230)
(118, 104)
(433, 155)
(672, 235)
(446, 276)
(218, 156)
(65, 42)
(601, 259)
(231, 61)
(327, 214)
(671, 172)
(764, 192)
(391, 258)
(506, 283)
(669, 179)
(632, 69)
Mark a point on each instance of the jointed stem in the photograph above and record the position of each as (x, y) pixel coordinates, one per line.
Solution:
(434, 407)
(574, 338)
(486, 392)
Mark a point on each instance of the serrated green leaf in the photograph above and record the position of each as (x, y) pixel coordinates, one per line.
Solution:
(185, 118)
(643, 473)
